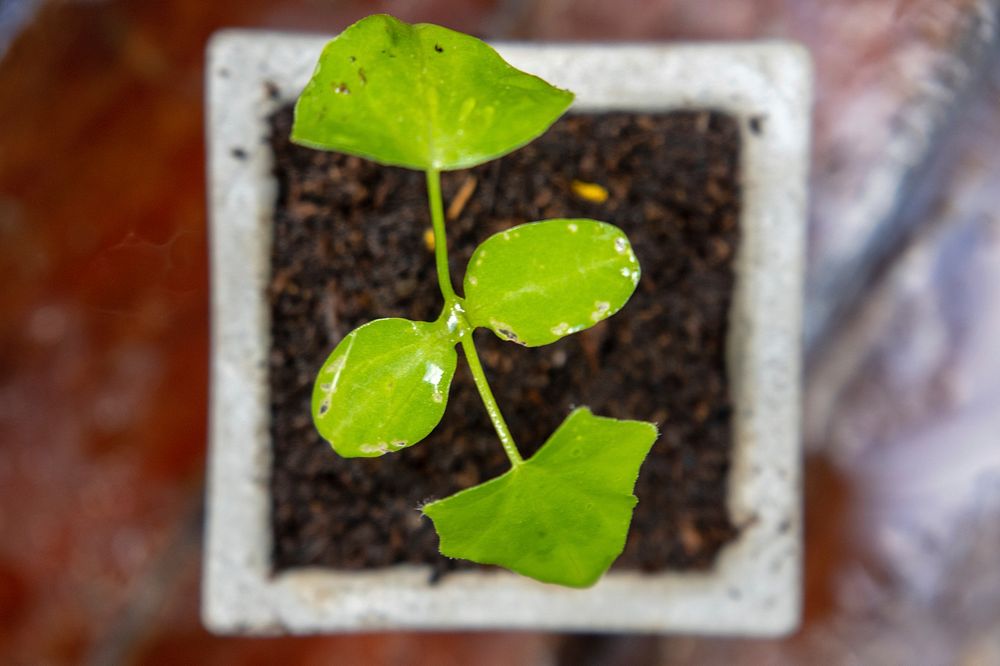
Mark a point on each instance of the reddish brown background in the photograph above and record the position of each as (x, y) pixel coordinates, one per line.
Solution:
(104, 325)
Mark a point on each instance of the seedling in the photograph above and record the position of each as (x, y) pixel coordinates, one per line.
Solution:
(427, 98)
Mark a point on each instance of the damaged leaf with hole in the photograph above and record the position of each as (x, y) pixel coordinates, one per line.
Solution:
(422, 97)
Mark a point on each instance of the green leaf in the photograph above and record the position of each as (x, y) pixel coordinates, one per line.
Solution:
(384, 387)
(538, 282)
(421, 96)
(562, 515)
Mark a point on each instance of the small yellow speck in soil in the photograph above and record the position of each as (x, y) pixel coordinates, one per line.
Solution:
(589, 191)
(429, 239)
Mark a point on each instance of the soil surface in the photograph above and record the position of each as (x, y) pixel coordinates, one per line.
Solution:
(350, 246)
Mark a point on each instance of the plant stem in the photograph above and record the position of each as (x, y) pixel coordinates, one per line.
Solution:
(479, 377)
(452, 303)
(440, 239)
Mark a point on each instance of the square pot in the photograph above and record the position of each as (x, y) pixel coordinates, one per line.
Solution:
(754, 587)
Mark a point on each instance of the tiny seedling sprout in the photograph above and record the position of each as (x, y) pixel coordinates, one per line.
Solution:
(431, 99)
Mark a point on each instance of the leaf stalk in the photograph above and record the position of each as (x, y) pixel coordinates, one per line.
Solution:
(453, 307)
(440, 238)
(479, 377)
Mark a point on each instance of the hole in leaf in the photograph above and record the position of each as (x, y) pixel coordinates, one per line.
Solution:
(509, 335)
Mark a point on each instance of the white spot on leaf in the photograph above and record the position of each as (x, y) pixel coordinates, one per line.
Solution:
(565, 329)
(433, 374)
(600, 310)
(621, 245)
(374, 449)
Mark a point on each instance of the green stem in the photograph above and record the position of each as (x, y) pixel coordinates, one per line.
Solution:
(453, 305)
(440, 239)
(479, 377)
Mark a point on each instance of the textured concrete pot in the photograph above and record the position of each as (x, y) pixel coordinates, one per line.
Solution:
(755, 587)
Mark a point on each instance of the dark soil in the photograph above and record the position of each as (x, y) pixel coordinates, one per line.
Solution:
(349, 247)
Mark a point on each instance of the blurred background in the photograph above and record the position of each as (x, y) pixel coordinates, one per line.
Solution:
(104, 329)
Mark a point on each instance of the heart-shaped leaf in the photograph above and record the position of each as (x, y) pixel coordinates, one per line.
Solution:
(538, 282)
(562, 515)
(384, 387)
(421, 96)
